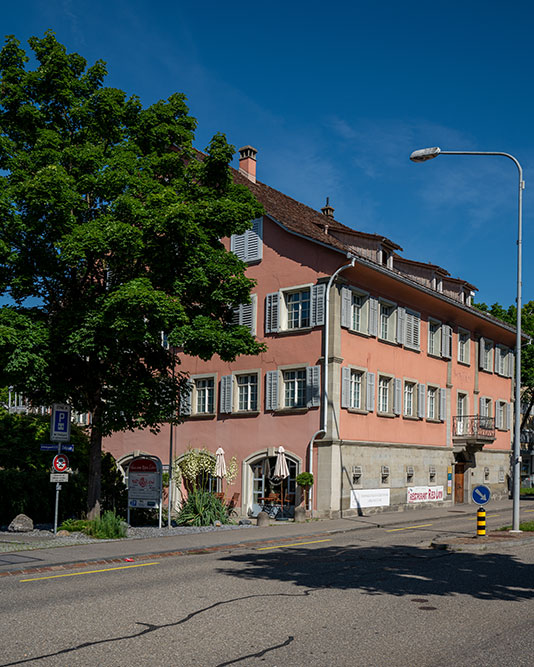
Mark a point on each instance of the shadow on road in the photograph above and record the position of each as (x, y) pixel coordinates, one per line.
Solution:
(393, 570)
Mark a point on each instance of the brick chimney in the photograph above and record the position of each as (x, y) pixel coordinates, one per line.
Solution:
(247, 162)
(327, 209)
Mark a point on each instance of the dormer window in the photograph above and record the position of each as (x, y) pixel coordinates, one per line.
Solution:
(385, 258)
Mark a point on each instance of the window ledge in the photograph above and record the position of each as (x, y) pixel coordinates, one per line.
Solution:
(290, 411)
(388, 342)
(464, 363)
(434, 421)
(412, 418)
(358, 411)
(243, 413)
(412, 349)
(434, 356)
(293, 332)
(485, 370)
(357, 333)
(388, 415)
(203, 415)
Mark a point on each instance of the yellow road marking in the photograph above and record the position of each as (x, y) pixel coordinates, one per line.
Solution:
(77, 574)
(422, 525)
(529, 510)
(295, 544)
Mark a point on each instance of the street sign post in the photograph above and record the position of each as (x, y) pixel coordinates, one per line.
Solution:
(481, 494)
(56, 446)
(60, 423)
(60, 463)
(145, 484)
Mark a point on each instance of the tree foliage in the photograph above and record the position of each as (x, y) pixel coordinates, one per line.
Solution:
(110, 235)
(509, 315)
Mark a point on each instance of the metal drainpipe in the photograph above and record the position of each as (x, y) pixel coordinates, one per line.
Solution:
(324, 398)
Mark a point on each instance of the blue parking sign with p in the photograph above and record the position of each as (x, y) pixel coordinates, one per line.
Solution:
(60, 423)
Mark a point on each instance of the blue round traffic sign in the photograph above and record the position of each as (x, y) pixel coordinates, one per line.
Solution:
(481, 494)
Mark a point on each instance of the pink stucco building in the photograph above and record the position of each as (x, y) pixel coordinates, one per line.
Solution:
(389, 386)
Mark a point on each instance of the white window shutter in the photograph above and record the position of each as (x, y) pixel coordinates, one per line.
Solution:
(481, 407)
(247, 314)
(253, 241)
(271, 390)
(401, 325)
(345, 387)
(511, 363)
(498, 353)
(373, 316)
(442, 404)
(421, 402)
(313, 386)
(481, 350)
(397, 397)
(446, 340)
(226, 394)
(370, 392)
(185, 400)
(412, 330)
(272, 312)
(238, 246)
(317, 305)
(346, 307)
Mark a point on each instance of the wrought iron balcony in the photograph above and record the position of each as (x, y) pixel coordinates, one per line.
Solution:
(474, 428)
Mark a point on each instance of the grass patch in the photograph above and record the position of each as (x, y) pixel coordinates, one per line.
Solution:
(526, 527)
(108, 527)
(525, 491)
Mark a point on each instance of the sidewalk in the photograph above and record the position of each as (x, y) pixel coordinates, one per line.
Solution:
(113, 551)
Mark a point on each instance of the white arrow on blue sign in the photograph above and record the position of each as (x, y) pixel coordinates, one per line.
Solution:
(481, 494)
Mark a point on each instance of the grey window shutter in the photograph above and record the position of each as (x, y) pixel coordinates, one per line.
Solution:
(481, 347)
(401, 325)
(370, 393)
(508, 416)
(226, 394)
(317, 305)
(481, 407)
(373, 316)
(238, 246)
(185, 400)
(272, 310)
(253, 241)
(271, 390)
(413, 327)
(421, 400)
(498, 353)
(511, 363)
(247, 318)
(442, 404)
(397, 397)
(446, 338)
(345, 387)
(346, 307)
(313, 386)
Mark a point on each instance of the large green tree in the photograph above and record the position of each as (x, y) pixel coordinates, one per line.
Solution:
(110, 234)
(509, 315)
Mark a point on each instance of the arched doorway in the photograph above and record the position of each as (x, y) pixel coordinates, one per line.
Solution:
(260, 482)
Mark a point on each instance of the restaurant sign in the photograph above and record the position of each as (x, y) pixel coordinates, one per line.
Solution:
(424, 494)
(144, 483)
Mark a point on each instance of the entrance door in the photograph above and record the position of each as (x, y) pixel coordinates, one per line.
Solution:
(459, 470)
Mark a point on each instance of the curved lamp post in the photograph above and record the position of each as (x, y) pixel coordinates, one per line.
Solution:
(423, 155)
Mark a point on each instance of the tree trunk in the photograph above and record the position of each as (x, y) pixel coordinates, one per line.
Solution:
(95, 465)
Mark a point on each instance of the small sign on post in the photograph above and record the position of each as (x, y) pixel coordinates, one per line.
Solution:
(481, 494)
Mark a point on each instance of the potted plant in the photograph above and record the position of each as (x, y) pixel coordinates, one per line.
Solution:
(305, 481)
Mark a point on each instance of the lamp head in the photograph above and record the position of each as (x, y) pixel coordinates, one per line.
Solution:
(424, 154)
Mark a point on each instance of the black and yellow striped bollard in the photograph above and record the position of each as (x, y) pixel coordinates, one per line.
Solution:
(481, 522)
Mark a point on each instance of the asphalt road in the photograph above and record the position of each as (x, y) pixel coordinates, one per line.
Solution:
(373, 597)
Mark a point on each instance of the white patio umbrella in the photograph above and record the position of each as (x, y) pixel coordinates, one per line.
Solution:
(220, 466)
(281, 470)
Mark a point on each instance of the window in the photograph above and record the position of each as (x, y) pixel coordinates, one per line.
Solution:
(432, 393)
(354, 310)
(409, 399)
(247, 392)
(503, 361)
(248, 246)
(412, 329)
(486, 354)
(245, 314)
(298, 309)
(436, 403)
(357, 389)
(295, 308)
(434, 337)
(386, 321)
(485, 406)
(464, 340)
(205, 395)
(384, 394)
(300, 388)
(502, 415)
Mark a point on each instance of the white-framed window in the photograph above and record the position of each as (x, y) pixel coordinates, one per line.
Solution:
(249, 246)
(503, 415)
(205, 395)
(295, 308)
(389, 395)
(435, 403)
(357, 389)
(355, 310)
(485, 354)
(503, 360)
(298, 387)
(464, 346)
(247, 392)
(434, 337)
(245, 314)
(386, 321)
(409, 398)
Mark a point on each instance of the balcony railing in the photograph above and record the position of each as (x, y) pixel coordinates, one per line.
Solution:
(474, 427)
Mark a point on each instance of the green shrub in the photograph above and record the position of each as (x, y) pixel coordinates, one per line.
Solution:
(74, 525)
(108, 526)
(526, 491)
(202, 508)
(305, 479)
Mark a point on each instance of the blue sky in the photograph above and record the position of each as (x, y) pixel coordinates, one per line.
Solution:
(335, 96)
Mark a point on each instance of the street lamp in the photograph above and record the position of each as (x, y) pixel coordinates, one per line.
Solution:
(423, 155)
